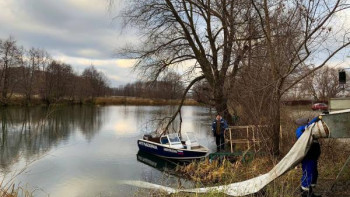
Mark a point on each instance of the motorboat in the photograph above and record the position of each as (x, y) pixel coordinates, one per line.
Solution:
(172, 147)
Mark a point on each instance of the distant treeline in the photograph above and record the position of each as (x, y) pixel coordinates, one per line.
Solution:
(32, 75)
(168, 88)
(28, 74)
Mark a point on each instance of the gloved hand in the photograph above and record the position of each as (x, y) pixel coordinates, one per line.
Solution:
(316, 119)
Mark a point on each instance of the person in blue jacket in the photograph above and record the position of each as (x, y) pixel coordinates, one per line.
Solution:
(309, 162)
(218, 128)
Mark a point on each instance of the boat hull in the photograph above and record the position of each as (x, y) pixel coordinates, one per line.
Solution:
(168, 152)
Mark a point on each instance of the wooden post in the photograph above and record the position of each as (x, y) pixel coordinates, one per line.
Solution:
(253, 139)
(248, 137)
(281, 137)
(231, 140)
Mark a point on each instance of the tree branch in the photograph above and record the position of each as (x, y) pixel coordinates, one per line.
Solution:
(181, 103)
(316, 68)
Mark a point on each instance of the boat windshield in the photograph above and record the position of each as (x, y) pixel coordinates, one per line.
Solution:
(191, 137)
(174, 138)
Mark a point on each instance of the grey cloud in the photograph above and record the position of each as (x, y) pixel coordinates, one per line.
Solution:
(64, 15)
(125, 74)
(68, 28)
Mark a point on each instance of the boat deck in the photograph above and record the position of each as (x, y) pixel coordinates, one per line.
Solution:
(199, 148)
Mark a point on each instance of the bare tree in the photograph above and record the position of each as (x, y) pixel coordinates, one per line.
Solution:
(58, 78)
(173, 85)
(31, 74)
(9, 55)
(169, 87)
(212, 33)
(96, 82)
(294, 33)
(203, 93)
(322, 84)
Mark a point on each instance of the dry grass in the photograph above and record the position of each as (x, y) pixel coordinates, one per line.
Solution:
(19, 100)
(207, 173)
(216, 172)
(13, 191)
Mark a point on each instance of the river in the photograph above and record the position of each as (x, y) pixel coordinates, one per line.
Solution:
(86, 150)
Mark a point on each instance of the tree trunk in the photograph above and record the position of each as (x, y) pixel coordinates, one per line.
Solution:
(5, 85)
(28, 99)
(221, 103)
(276, 123)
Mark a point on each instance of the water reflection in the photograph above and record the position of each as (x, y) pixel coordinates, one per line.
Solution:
(26, 132)
(85, 150)
(160, 164)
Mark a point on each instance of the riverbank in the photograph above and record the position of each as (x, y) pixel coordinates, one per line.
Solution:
(333, 157)
(205, 174)
(113, 100)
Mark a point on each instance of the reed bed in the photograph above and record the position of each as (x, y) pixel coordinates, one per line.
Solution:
(19, 100)
(14, 191)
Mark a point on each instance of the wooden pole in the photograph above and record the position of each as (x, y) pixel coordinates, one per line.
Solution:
(231, 140)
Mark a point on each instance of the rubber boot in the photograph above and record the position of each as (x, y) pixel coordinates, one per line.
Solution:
(305, 194)
(308, 193)
(313, 194)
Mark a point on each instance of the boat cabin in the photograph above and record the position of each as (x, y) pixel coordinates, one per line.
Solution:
(173, 140)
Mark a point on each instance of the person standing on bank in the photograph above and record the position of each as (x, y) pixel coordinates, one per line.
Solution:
(218, 128)
(309, 162)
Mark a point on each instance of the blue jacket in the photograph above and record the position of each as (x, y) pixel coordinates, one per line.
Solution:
(315, 149)
(300, 130)
(223, 126)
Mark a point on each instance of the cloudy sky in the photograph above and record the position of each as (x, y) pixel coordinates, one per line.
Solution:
(77, 32)
(83, 32)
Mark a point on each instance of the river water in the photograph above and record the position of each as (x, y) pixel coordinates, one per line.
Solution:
(86, 150)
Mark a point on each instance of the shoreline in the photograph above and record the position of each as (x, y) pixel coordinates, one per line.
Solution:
(140, 101)
(114, 100)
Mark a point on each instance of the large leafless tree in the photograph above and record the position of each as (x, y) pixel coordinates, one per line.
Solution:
(212, 33)
(297, 33)
(223, 38)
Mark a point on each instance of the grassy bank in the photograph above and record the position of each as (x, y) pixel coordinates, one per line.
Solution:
(333, 157)
(215, 173)
(20, 101)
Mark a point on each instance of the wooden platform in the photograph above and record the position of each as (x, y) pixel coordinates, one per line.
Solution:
(249, 135)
